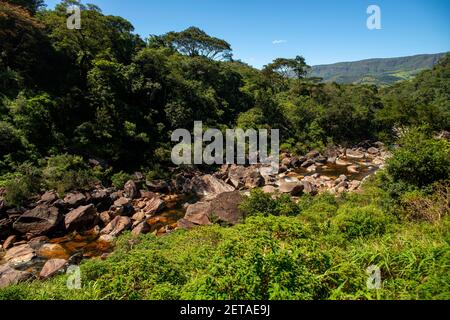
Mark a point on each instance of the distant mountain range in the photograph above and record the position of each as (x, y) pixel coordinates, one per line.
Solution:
(381, 72)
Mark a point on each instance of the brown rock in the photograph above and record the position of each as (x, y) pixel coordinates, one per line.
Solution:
(105, 217)
(38, 221)
(117, 226)
(293, 188)
(222, 209)
(74, 199)
(254, 180)
(81, 219)
(141, 228)
(51, 267)
(19, 255)
(185, 224)
(49, 197)
(154, 205)
(10, 276)
(130, 189)
(207, 185)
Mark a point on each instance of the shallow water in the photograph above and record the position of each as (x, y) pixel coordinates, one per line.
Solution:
(332, 170)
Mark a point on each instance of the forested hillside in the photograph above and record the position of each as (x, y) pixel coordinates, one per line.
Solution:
(86, 118)
(382, 72)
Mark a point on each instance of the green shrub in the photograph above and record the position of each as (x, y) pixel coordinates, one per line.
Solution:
(353, 221)
(68, 172)
(260, 203)
(119, 179)
(420, 160)
(25, 182)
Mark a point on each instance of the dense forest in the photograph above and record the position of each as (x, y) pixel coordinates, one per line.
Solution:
(79, 108)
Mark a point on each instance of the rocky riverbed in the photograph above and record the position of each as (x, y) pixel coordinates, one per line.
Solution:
(51, 232)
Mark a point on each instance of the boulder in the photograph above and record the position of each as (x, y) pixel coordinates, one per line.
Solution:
(153, 205)
(48, 197)
(81, 219)
(130, 189)
(185, 224)
(373, 150)
(293, 188)
(38, 221)
(355, 154)
(254, 180)
(207, 186)
(104, 217)
(158, 186)
(52, 267)
(20, 255)
(222, 209)
(141, 228)
(74, 199)
(10, 276)
(123, 206)
(116, 226)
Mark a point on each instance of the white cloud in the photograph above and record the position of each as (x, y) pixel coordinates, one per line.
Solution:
(279, 41)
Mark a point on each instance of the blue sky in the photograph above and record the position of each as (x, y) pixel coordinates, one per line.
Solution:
(323, 31)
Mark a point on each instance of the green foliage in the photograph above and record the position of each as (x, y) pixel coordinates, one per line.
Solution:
(67, 172)
(24, 183)
(119, 179)
(260, 203)
(355, 222)
(420, 160)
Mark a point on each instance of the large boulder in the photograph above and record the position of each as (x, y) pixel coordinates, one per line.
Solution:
(222, 209)
(153, 205)
(157, 186)
(293, 188)
(10, 276)
(81, 219)
(74, 199)
(52, 267)
(116, 226)
(207, 186)
(38, 221)
(20, 255)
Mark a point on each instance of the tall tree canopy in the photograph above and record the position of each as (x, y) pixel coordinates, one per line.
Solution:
(195, 42)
